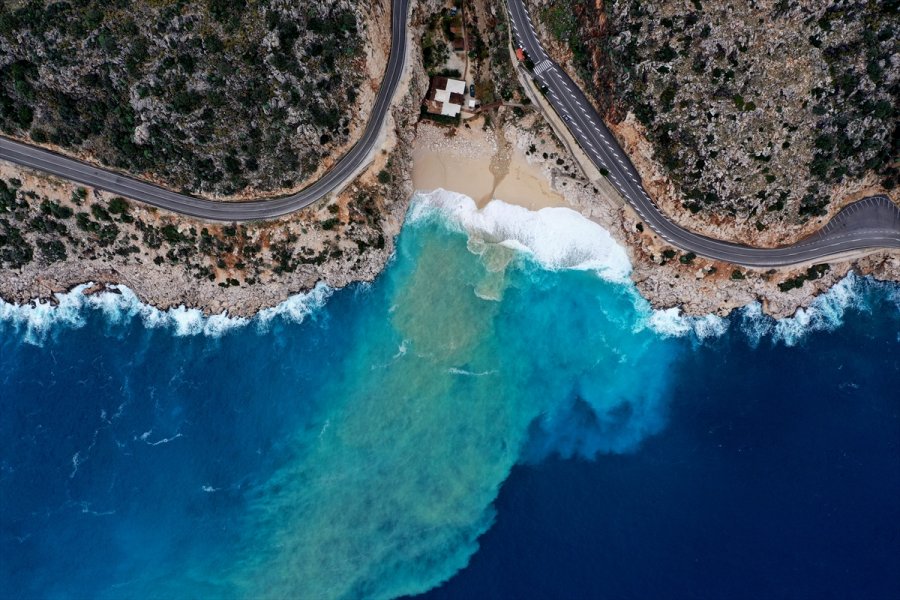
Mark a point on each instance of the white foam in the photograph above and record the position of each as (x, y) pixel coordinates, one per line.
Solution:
(297, 307)
(162, 441)
(825, 313)
(672, 323)
(402, 349)
(38, 318)
(560, 238)
(120, 305)
(467, 373)
(557, 238)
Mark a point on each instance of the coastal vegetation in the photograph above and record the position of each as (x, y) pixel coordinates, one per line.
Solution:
(762, 112)
(813, 272)
(208, 96)
(486, 47)
(38, 229)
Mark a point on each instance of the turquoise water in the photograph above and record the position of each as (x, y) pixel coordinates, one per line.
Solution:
(346, 444)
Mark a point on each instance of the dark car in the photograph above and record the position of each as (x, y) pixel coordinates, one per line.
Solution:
(472, 90)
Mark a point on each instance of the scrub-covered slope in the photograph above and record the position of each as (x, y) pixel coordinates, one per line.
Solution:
(759, 116)
(209, 96)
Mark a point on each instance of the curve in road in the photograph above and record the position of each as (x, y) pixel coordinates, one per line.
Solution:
(75, 170)
(870, 223)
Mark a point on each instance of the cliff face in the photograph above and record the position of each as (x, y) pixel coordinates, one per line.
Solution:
(216, 97)
(749, 121)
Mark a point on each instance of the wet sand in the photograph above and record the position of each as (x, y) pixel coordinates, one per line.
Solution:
(479, 164)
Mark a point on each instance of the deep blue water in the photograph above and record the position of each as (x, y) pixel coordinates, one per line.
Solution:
(471, 417)
(778, 476)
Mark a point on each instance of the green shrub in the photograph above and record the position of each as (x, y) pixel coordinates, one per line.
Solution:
(49, 207)
(108, 234)
(52, 250)
(83, 220)
(100, 213)
(814, 272)
(118, 206)
(171, 234)
(79, 195)
(7, 197)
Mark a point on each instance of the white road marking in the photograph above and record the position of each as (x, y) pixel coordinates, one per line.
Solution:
(542, 66)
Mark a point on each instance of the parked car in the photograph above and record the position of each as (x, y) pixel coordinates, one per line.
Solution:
(472, 90)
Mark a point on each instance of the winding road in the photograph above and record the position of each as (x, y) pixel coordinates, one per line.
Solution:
(873, 222)
(870, 223)
(75, 170)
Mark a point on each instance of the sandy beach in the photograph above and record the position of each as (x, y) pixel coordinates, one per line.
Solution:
(479, 163)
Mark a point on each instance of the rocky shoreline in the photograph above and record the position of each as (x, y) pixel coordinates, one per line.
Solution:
(170, 261)
(669, 278)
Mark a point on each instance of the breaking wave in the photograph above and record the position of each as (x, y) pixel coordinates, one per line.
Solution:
(825, 313)
(560, 238)
(557, 238)
(120, 305)
(671, 322)
(385, 478)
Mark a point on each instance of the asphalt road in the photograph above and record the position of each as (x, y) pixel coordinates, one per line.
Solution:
(873, 222)
(50, 162)
(870, 223)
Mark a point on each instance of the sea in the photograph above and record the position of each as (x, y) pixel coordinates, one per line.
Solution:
(500, 414)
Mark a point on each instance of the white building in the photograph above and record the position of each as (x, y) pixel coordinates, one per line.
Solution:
(449, 94)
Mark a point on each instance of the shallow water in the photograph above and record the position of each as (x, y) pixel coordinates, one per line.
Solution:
(353, 444)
